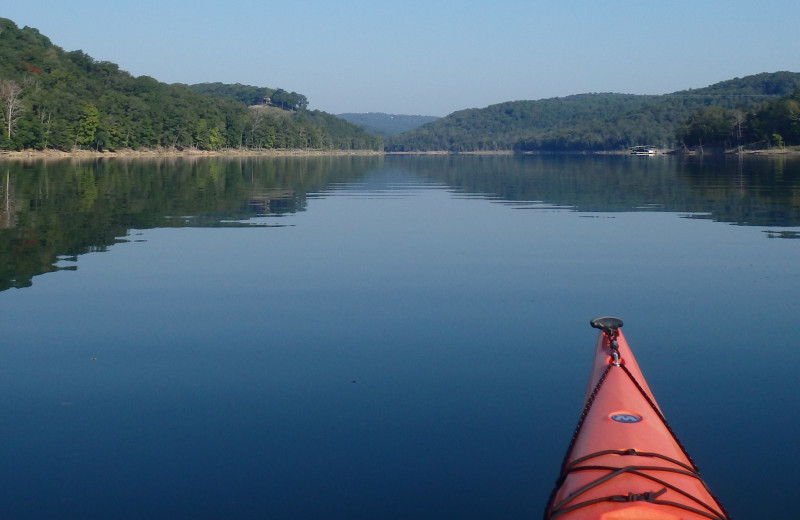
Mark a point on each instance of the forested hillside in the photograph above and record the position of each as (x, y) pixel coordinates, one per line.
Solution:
(246, 94)
(254, 96)
(387, 124)
(51, 98)
(588, 122)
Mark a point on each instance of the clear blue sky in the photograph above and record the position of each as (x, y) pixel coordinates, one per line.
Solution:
(428, 57)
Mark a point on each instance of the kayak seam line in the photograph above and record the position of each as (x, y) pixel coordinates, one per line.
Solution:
(663, 419)
(582, 419)
(661, 416)
(565, 463)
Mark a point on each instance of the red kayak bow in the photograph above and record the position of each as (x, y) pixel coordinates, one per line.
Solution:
(624, 462)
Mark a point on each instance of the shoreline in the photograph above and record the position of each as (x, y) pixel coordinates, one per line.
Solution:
(158, 153)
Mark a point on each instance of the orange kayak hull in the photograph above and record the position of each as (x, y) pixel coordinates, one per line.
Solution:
(624, 462)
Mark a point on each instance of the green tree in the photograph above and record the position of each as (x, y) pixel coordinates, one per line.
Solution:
(87, 129)
(708, 126)
(289, 100)
(207, 137)
(780, 116)
(215, 139)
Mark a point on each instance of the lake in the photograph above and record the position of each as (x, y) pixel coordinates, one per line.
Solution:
(383, 337)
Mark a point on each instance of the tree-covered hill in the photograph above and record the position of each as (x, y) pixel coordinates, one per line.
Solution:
(588, 122)
(246, 94)
(772, 123)
(254, 96)
(387, 124)
(51, 98)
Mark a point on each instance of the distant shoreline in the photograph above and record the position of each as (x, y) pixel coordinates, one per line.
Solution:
(171, 152)
(50, 154)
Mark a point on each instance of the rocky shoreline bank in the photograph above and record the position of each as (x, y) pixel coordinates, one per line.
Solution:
(172, 152)
(49, 154)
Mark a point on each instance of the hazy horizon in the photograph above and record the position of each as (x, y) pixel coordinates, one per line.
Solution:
(428, 58)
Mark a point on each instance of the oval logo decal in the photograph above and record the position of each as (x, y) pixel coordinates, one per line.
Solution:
(625, 418)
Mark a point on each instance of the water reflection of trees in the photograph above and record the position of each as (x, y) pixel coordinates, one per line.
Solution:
(748, 191)
(57, 210)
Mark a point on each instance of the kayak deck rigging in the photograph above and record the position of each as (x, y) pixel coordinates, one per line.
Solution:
(617, 472)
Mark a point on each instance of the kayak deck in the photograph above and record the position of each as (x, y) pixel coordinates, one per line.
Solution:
(624, 462)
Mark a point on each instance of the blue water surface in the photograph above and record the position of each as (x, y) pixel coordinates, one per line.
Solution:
(410, 344)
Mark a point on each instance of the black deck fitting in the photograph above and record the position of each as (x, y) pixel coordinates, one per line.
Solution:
(607, 324)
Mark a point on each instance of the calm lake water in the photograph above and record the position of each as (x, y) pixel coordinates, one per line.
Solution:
(397, 337)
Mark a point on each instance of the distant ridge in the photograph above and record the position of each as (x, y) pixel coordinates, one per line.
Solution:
(387, 124)
(589, 122)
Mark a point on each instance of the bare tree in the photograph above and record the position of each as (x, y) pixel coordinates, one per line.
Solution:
(256, 119)
(739, 120)
(44, 120)
(11, 95)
